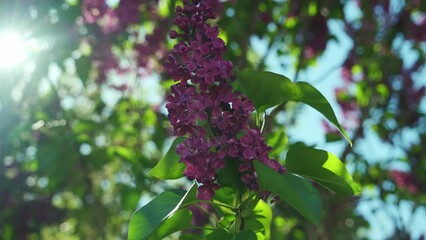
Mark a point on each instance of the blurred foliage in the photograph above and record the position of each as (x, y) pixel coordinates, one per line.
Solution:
(82, 120)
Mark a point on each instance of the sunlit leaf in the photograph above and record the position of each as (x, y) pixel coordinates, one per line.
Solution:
(296, 191)
(278, 141)
(267, 89)
(260, 221)
(125, 153)
(323, 167)
(169, 166)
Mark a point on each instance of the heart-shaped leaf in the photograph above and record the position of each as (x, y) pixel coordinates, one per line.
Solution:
(267, 89)
(322, 167)
(223, 234)
(260, 221)
(169, 166)
(296, 191)
(246, 235)
(148, 218)
(178, 221)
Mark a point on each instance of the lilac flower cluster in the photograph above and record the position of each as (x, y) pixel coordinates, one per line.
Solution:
(127, 13)
(93, 10)
(111, 23)
(154, 45)
(203, 107)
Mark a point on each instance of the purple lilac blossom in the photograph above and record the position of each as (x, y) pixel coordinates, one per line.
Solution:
(204, 108)
(93, 10)
(108, 24)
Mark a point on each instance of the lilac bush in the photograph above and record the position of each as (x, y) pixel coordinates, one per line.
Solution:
(229, 161)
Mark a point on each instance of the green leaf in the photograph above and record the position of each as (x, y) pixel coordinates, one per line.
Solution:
(148, 218)
(230, 176)
(225, 195)
(219, 234)
(190, 236)
(83, 66)
(332, 137)
(267, 89)
(126, 153)
(278, 141)
(178, 221)
(129, 197)
(296, 191)
(260, 221)
(246, 235)
(323, 167)
(191, 195)
(223, 234)
(312, 97)
(169, 166)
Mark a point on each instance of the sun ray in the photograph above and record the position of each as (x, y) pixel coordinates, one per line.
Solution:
(13, 49)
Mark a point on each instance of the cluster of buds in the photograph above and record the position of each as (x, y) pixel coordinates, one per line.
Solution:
(204, 108)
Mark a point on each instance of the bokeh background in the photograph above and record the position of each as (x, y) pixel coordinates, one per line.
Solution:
(82, 117)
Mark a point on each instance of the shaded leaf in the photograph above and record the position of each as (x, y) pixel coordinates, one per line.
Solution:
(147, 218)
(178, 221)
(332, 137)
(296, 191)
(323, 167)
(223, 234)
(129, 197)
(190, 236)
(190, 196)
(230, 176)
(219, 234)
(246, 235)
(83, 67)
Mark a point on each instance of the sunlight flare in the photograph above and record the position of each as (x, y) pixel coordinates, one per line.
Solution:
(14, 49)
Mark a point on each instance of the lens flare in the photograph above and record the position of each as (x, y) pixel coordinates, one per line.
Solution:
(13, 50)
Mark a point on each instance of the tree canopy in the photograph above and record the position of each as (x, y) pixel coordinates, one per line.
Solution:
(88, 108)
